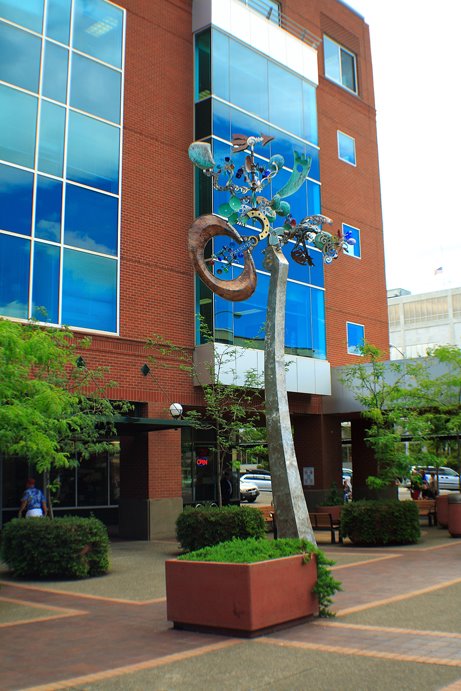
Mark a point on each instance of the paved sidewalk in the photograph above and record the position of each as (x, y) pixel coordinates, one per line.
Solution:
(398, 627)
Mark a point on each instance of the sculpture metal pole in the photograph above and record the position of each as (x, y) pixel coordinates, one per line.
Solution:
(289, 501)
(247, 203)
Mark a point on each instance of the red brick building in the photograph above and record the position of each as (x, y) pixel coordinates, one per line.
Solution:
(159, 72)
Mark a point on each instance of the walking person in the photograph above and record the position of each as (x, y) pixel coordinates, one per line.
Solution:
(32, 501)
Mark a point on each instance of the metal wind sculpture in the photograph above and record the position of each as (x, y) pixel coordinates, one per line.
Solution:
(246, 184)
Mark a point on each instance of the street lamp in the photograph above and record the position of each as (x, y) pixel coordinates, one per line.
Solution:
(176, 410)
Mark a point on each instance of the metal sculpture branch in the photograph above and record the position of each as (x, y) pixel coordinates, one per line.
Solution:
(246, 184)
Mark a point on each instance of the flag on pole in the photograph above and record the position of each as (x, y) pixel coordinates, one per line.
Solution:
(438, 270)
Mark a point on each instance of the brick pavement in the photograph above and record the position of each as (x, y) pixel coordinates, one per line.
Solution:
(84, 639)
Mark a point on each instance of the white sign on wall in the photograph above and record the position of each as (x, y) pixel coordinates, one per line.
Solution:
(308, 477)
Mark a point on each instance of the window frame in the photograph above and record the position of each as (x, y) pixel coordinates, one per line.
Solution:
(340, 134)
(352, 349)
(341, 83)
(346, 226)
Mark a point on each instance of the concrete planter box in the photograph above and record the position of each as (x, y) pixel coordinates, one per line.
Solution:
(241, 599)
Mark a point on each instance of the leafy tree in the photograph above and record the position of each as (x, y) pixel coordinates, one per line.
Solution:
(438, 401)
(385, 392)
(229, 410)
(52, 411)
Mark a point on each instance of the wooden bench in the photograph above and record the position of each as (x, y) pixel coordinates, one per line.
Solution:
(427, 509)
(268, 515)
(324, 521)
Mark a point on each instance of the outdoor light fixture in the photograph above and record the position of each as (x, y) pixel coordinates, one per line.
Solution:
(176, 410)
(80, 362)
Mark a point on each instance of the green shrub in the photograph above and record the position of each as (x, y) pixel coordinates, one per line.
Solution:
(69, 547)
(389, 522)
(204, 526)
(252, 550)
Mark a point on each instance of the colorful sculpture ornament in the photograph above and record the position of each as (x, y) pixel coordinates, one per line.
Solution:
(245, 185)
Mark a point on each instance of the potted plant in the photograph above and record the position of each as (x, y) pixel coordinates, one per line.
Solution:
(247, 587)
(333, 503)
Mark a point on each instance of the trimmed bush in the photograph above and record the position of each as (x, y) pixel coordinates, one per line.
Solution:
(205, 526)
(252, 550)
(69, 547)
(389, 522)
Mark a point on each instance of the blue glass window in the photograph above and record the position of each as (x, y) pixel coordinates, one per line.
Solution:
(340, 64)
(298, 328)
(248, 80)
(250, 315)
(310, 131)
(285, 88)
(48, 209)
(58, 20)
(98, 30)
(346, 148)
(15, 200)
(54, 83)
(203, 65)
(220, 64)
(45, 290)
(89, 291)
(28, 13)
(14, 274)
(319, 342)
(19, 57)
(51, 147)
(18, 121)
(91, 220)
(93, 153)
(314, 205)
(353, 240)
(95, 88)
(355, 338)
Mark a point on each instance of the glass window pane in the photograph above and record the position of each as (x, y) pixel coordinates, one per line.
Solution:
(98, 30)
(331, 56)
(51, 147)
(310, 131)
(355, 338)
(19, 57)
(91, 220)
(95, 88)
(92, 481)
(250, 316)
(16, 200)
(93, 153)
(45, 292)
(285, 89)
(317, 273)
(352, 236)
(220, 65)
(54, 82)
(346, 148)
(248, 80)
(14, 276)
(89, 291)
(319, 334)
(18, 121)
(348, 70)
(298, 332)
(28, 13)
(58, 20)
(65, 496)
(314, 205)
(203, 65)
(48, 209)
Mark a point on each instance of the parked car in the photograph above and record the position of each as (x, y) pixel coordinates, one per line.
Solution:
(263, 481)
(347, 475)
(448, 478)
(248, 491)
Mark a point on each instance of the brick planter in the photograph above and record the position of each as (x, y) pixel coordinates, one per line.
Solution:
(240, 599)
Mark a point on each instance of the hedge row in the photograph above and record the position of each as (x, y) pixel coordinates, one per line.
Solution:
(206, 526)
(389, 522)
(69, 547)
